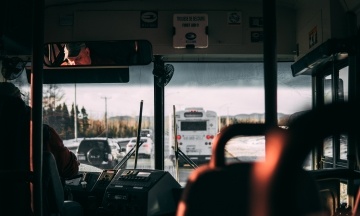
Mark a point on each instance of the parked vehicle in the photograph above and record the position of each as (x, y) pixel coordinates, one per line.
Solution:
(146, 133)
(146, 146)
(99, 152)
(122, 144)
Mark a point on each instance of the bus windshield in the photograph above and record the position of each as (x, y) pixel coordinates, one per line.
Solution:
(112, 110)
(146, 99)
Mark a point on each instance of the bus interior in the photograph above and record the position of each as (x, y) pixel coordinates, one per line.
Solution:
(232, 107)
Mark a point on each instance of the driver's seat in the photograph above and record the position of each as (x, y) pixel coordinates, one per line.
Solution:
(53, 192)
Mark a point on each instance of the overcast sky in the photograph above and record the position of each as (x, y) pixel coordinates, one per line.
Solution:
(225, 101)
(227, 88)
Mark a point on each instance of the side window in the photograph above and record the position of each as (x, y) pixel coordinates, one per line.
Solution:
(328, 97)
(335, 147)
(343, 95)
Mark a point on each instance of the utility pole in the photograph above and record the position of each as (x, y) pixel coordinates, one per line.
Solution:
(106, 124)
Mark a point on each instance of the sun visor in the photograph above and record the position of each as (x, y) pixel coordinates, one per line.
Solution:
(88, 75)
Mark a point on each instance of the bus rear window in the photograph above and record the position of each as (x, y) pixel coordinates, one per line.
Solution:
(193, 114)
(193, 126)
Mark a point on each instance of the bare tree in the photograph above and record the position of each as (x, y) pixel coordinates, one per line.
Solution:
(52, 95)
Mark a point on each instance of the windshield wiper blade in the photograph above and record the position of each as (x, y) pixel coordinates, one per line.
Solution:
(127, 156)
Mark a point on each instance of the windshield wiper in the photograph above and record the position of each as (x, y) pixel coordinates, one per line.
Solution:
(127, 156)
(135, 147)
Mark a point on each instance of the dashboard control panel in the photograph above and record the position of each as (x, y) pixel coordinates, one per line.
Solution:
(140, 192)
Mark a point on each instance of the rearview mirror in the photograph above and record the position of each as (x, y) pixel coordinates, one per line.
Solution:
(98, 53)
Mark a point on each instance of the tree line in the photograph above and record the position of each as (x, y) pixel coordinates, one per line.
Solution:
(63, 121)
(57, 114)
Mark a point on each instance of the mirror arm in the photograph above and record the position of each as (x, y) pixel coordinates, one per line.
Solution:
(60, 57)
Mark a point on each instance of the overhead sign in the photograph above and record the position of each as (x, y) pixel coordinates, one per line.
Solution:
(234, 18)
(190, 31)
(148, 19)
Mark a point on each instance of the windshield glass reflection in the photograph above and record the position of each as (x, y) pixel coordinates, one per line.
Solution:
(111, 111)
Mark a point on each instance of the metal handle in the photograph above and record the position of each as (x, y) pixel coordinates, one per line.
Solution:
(219, 142)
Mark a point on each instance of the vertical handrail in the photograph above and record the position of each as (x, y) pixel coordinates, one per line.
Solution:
(158, 118)
(36, 142)
(270, 64)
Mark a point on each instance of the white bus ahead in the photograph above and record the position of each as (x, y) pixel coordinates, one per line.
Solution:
(195, 130)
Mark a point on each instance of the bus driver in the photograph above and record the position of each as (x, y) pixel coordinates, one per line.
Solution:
(80, 53)
(77, 54)
(66, 161)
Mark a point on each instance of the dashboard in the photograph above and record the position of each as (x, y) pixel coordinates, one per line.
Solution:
(125, 192)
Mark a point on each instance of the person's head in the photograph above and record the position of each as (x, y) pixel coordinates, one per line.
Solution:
(9, 89)
(77, 54)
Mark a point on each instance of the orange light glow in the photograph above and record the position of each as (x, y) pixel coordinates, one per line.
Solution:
(356, 210)
(181, 210)
(263, 173)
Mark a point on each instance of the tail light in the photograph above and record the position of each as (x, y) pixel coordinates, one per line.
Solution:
(110, 157)
(209, 136)
(178, 137)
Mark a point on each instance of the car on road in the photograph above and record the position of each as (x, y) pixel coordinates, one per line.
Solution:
(146, 133)
(146, 148)
(122, 144)
(99, 152)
